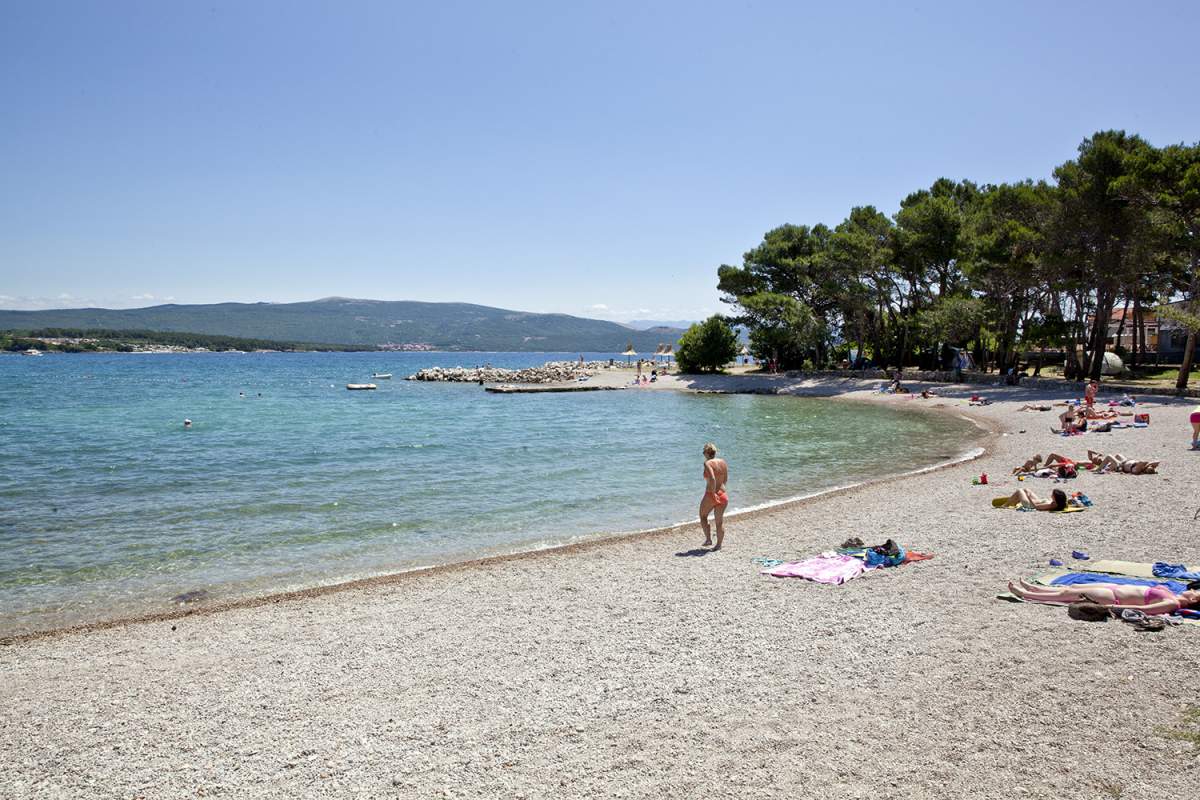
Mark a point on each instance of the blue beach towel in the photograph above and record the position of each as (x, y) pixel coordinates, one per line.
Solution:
(1164, 570)
(1072, 578)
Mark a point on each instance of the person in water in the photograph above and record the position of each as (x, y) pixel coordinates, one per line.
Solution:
(1147, 599)
(716, 474)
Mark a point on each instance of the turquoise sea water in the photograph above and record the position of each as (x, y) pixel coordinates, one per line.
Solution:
(108, 506)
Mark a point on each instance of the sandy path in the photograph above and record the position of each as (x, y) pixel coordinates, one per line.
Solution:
(636, 670)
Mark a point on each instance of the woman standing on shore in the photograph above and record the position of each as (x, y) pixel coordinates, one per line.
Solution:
(716, 475)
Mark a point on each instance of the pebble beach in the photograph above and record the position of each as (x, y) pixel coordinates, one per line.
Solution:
(647, 666)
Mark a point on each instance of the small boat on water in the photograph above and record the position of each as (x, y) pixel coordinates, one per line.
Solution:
(382, 375)
(360, 387)
(32, 352)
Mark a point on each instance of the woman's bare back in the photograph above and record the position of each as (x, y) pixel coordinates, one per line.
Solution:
(720, 473)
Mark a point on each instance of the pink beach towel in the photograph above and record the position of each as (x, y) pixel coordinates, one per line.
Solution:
(822, 569)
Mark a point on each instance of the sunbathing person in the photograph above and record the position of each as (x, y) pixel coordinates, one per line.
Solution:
(1070, 422)
(1023, 498)
(1119, 463)
(1031, 407)
(1028, 466)
(1055, 460)
(1147, 599)
(1062, 466)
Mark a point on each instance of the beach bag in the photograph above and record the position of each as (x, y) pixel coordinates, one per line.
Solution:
(1142, 418)
(888, 554)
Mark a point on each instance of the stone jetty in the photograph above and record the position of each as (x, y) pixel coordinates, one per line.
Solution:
(550, 372)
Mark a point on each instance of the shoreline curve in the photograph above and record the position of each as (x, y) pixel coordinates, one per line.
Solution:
(581, 543)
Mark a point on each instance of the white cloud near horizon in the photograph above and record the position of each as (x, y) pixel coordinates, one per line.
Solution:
(27, 303)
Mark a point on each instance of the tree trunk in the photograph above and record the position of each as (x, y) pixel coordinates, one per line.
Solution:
(1004, 346)
(1139, 318)
(1189, 349)
(1082, 360)
(1104, 307)
(1121, 324)
(1189, 352)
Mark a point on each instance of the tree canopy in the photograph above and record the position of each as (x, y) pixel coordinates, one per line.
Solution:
(707, 346)
(997, 268)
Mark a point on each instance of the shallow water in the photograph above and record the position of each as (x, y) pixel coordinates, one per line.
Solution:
(109, 507)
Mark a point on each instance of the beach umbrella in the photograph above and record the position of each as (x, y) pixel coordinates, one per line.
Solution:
(629, 351)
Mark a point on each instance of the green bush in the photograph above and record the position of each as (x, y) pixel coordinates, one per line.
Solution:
(707, 346)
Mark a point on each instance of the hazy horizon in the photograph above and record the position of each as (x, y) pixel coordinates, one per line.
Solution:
(636, 324)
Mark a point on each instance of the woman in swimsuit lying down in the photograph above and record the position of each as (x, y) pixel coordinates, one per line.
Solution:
(1023, 498)
(1147, 599)
(1119, 463)
(1055, 464)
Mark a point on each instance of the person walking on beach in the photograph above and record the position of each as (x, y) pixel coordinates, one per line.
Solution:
(716, 475)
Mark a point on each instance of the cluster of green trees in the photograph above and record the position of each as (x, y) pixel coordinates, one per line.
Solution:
(707, 346)
(996, 269)
(105, 340)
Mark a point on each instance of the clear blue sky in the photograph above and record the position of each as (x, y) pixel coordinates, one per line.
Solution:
(591, 158)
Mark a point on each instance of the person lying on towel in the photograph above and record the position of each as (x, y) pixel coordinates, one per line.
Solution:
(1119, 463)
(1023, 498)
(1147, 599)
(1056, 466)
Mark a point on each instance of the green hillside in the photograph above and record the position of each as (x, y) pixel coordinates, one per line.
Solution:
(443, 326)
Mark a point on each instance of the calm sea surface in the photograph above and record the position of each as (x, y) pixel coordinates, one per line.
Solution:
(108, 506)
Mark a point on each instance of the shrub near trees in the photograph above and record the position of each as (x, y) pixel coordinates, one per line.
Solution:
(994, 268)
(707, 346)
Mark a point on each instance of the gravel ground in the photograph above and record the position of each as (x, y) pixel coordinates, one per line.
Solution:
(640, 669)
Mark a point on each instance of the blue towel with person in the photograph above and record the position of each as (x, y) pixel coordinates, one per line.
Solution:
(1072, 578)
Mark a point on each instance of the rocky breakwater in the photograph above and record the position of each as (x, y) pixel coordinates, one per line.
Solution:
(550, 372)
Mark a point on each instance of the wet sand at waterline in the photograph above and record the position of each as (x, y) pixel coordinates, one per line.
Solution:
(647, 667)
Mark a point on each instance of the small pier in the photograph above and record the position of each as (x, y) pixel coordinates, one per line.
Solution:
(547, 388)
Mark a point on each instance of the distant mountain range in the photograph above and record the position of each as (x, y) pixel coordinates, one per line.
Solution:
(339, 320)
